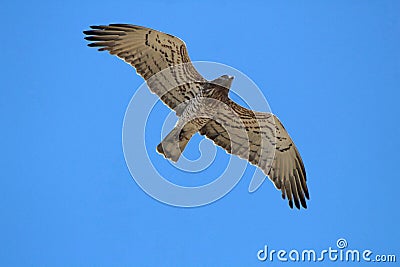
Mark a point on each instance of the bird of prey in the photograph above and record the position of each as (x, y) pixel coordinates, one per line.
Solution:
(204, 106)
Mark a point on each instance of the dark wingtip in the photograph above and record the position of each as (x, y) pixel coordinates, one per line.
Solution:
(160, 149)
(303, 203)
(291, 204)
(296, 202)
(119, 24)
(97, 27)
(95, 38)
(93, 45)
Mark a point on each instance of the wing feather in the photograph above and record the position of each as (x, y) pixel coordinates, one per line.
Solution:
(269, 147)
(151, 52)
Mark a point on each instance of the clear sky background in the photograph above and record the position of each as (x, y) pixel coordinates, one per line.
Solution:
(330, 71)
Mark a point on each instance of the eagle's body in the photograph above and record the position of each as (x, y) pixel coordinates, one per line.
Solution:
(195, 116)
(205, 107)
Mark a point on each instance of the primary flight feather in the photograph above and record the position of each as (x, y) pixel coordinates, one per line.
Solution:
(205, 107)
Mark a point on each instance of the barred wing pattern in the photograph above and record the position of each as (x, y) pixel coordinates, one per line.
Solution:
(283, 165)
(163, 61)
(152, 52)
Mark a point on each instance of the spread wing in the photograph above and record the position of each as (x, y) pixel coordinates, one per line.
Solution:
(161, 59)
(267, 145)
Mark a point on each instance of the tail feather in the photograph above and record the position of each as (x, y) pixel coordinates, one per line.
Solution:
(175, 142)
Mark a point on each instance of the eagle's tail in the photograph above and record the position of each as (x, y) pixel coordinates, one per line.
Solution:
(175, 142)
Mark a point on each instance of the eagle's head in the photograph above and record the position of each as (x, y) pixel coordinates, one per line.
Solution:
(223, 81)
(219, 88)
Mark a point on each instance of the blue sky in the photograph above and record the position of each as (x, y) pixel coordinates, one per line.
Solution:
(330, 71)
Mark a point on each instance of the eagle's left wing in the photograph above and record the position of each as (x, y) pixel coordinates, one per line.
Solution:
(261, 139)
(160, 58)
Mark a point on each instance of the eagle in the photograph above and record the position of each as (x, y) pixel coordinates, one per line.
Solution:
(204, 106)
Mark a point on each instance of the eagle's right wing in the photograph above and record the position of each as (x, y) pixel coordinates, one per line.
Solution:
(161, 59)
(261, 139)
